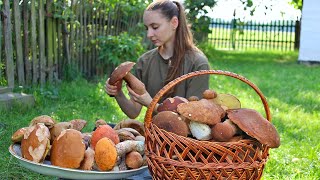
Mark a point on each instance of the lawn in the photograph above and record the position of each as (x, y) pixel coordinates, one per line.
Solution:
(291, 90)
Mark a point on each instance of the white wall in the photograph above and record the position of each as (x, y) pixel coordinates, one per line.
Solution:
(310, 32)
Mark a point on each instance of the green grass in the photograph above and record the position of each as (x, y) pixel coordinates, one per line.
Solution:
(291, 90)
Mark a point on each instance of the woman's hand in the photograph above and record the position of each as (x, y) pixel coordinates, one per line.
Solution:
(113, 90)
(144, 99)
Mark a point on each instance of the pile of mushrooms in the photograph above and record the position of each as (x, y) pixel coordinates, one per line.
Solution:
(215, 117)
(64, 145)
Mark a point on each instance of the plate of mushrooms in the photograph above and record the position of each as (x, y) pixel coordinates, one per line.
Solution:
(60, 149)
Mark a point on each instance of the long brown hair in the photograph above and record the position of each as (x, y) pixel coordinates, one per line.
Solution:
(184, 38)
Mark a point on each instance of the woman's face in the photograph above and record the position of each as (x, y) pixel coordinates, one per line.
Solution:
(159, 30)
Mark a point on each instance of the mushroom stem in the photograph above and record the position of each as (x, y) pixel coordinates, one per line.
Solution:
(134, 83)
(128, 146)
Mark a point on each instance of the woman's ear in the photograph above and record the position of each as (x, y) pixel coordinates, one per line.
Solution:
(174, 22)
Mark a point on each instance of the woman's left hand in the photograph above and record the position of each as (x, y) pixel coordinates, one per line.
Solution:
(144, 99)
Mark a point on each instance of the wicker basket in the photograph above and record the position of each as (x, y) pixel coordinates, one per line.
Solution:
(170, 156)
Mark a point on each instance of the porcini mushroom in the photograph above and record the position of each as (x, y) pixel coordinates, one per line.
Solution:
(227, 101)
(203, 111)
(200, 131)
(255, 125)
(18, 135)
(170, 104)
(133, 160)
(68, 149)
(123, 72)
(171, 122)
(78, 124)
(45, 119)
(130, 123)
(209, 94)
(224, 131)
(88, 160)
(35, 143)
(58, 128)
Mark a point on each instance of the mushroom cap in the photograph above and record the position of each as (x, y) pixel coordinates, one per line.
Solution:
(193, 98)
(255, 125)
(131, 123)
(35, 143)
(45, 119)
(133, 160)
(18, 135)
(104, 131)
(204, 111)
(68, 149)
(209, 94)
(172, 122)
(223, 131)
(58, 128)
(78, 124)
(105, 154)
(100, 122)
(227, 101)
(170, 104)
(120, 71)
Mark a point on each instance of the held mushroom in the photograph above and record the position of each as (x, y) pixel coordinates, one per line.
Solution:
(123, 72)
(171, 122)
(255, 125)
(203, 111)
(68, 149)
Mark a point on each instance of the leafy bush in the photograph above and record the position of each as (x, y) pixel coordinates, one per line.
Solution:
(114, 50)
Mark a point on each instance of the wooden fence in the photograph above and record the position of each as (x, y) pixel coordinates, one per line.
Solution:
(40, 38)
(281, 35)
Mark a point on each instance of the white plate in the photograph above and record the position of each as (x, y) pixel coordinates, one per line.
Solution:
(68, 173)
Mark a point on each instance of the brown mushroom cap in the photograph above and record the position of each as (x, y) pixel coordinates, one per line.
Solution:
(45, 119)
(193, 98)
(204, 111)
(170, 104)
(100, 122)
(105, 154)
(172, 122)
(68, 149)
(18, 135)
(255, 125)
(209, 94)
(120, 72)
(58, 128)
(223, 131)
(35, 143)
(134, 160)
(130, 123)
(78, 124)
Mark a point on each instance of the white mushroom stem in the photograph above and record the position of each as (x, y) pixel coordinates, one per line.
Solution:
(200, 131)
(128, 146)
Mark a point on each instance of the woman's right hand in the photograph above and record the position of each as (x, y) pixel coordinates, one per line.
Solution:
(113, 90)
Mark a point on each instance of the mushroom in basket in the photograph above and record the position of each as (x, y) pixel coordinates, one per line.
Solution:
(202, 114)
(255, 125)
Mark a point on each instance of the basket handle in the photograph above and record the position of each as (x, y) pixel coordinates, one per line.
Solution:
(148, 116)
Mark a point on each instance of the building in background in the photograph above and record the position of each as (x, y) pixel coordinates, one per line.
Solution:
(310, 32)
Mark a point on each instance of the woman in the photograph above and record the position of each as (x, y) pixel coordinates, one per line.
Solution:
(175, 55)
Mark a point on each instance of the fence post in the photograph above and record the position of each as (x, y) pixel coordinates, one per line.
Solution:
(233, 30)
(297, 35)
(8, 49)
